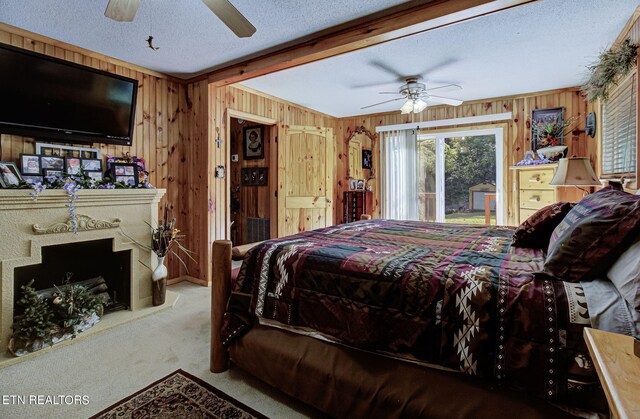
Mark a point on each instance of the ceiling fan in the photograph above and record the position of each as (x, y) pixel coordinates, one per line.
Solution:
(417, 95)
(125, 10)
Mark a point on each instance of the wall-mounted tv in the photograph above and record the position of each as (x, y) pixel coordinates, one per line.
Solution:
(56, 100)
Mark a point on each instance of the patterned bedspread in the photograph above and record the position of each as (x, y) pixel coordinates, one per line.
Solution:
(453, 295)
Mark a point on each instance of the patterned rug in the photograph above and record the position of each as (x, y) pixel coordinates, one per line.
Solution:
(176, 396)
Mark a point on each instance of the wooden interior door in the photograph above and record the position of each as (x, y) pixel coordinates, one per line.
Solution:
(306, 166)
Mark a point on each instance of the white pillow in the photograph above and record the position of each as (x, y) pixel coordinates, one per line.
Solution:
(625, 275)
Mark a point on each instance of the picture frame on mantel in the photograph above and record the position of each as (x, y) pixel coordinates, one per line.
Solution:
(67, 150)
(9, 174)
(125, 173)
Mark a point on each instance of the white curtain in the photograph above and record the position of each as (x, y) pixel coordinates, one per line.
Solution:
(399, 181)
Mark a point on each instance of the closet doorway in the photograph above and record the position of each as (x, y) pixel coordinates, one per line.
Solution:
(252, 179)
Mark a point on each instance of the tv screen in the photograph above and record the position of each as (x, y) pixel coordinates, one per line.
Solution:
(52, 99)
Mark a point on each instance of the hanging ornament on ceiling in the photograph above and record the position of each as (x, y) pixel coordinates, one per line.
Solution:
(150, 38)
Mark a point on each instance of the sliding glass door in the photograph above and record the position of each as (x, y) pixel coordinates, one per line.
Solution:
(458, 177)
(427, 182)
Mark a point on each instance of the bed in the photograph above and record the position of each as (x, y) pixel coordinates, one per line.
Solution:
(387, 318)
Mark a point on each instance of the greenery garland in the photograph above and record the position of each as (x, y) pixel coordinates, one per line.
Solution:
(612, 65)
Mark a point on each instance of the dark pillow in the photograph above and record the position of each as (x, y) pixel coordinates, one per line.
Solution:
(536, 230)
(593, 234)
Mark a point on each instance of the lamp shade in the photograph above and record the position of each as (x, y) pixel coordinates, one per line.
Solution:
(419, 105)
(407, 107)
(575, 171)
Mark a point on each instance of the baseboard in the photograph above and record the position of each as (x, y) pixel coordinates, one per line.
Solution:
(188, 278)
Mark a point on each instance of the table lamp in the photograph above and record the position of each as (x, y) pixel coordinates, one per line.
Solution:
(575, 171)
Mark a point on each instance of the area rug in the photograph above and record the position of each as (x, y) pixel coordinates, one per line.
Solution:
(179, 395)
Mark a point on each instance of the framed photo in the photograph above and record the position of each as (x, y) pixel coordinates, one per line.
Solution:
(31, 179)
(9, 174)
(97, 176)
(547, 128)
(254, 176)
(52, 172)
(367, 161)
(73, 165)
(360, 184)
(352, 184)
(253, 142)
(142, 172)
(30, 164)
(92, 164)
(52, 162)
(45, 150)
(126, 173)
(67, 151)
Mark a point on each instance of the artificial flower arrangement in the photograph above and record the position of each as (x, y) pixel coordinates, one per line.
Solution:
(549, 132)
(165, 239)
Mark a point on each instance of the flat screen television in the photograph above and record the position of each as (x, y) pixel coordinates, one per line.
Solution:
(56, 100)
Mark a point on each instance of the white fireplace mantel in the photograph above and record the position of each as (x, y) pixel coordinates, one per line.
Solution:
(27, 225)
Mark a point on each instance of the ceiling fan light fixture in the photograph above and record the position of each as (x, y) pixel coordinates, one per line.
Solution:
(407, 107)
(419, 106)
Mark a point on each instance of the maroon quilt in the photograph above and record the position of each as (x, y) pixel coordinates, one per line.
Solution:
(453, 295)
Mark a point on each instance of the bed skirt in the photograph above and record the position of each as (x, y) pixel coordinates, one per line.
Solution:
(346, 382)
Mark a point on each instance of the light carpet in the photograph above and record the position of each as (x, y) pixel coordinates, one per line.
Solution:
(107, 367)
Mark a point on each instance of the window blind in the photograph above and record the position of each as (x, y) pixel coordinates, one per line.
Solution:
(619, 121)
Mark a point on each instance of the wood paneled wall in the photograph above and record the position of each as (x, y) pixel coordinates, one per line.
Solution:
(517, 135)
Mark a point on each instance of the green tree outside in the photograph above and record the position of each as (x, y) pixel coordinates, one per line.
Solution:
(468, 162)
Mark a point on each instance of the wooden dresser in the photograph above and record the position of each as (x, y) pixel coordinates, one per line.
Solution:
(532, 190)
(356, 203)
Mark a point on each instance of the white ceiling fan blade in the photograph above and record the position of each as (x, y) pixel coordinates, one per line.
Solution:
(380, 103)
(122, 10)
(231, 17)
(451, 86)
(443, 100)
(388, 93)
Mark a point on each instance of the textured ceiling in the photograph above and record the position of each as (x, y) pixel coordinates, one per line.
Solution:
(191, 38)
(539, 46)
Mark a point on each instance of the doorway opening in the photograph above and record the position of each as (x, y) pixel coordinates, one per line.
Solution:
(251, 181)
(460, 178)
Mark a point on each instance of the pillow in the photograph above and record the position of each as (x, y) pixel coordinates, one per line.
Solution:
(536, 230)
(625, 275)
(588, 240)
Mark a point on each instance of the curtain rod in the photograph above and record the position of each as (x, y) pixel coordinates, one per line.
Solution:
(448, 122)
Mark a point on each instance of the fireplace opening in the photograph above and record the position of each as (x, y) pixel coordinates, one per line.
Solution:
(81, 262)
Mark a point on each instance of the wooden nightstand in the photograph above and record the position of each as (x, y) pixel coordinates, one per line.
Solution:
(618, 369)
